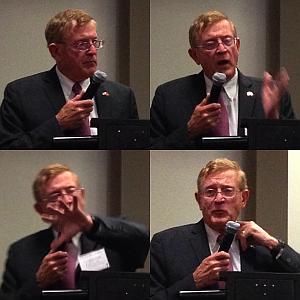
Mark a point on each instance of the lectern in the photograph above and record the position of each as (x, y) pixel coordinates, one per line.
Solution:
(112, 135)
(272, 134)
(262, 286)
(251, 286)
(117, 285)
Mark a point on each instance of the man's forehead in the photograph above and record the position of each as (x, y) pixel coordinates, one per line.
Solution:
(61, 177)
(226, 175)
(222, 25)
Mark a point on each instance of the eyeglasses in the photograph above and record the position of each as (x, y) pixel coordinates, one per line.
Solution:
(86, 45)
(71, 191)
(214, 43)
(226, 192)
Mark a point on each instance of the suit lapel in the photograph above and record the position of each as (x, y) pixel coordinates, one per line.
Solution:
(87, 245)
(104, 99)
(248, 259)
(53, 90)
(199, 242)
(198, 91)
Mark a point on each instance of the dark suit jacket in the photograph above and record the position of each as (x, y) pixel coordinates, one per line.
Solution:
(27, 113)
(175, 254)
(175, 101)
(126, 245)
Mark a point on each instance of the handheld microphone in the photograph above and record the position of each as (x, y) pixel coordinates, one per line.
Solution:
(231, 229)
(96, 80)
(218, 80)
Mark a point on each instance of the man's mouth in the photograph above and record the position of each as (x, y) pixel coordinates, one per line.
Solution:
(219, 212)
(223, 62)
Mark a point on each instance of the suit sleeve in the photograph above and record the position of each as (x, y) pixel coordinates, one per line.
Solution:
(286, 108)
(160, 287)
(130, 239)
(289, 260)
(161, 136)
(11, 289)
(14, 132)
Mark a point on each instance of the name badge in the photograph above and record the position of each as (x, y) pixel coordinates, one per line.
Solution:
(94, 261)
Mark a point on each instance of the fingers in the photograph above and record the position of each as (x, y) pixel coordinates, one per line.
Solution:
(52, 268)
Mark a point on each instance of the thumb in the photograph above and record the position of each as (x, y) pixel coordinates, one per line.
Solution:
(79, 96)
(205, 100)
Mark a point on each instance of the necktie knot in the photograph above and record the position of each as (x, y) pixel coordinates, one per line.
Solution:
(76, 89)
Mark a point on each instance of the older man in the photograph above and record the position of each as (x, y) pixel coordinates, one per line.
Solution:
(49, 258)
(39, 107)
(186, 257)
(181, 112)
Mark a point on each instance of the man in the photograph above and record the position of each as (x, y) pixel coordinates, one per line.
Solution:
(186, 257)
(37, 108)
(181, 113)
(42, 260)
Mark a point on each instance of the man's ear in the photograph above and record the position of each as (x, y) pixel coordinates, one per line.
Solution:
(54, 50)
(194, 54)
(245, 197)
(197, 197)
(38, 207)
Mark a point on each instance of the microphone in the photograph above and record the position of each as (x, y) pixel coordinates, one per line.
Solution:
(96, 80)
(218, 80)
(231, 229)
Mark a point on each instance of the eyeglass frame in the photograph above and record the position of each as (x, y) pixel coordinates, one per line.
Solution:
(218, 41)
(53, 197)
(220, 191)
(75, 45)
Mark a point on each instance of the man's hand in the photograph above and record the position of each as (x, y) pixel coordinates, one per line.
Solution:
(69, 219)
(204, 117)
(74, 112)
(251, 234)
(272, 92)
(208, 272)
(52, 268)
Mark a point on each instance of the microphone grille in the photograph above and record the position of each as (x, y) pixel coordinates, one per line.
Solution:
(100, 75)
(219, 78)
(232, 226)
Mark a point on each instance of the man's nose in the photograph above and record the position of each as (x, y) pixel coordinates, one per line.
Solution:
(219, 197)
(221, 47)
(66, 198)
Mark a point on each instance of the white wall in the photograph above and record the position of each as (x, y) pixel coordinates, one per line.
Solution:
(169, 24)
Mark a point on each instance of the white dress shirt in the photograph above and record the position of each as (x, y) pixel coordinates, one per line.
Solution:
(67, 85)
(229, 93)
(234, 250)
(75, 241)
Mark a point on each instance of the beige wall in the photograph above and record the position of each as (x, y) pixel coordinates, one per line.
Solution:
(102, 173)
(290, 46)
(173, 184)
(169, 25)
(24, 51)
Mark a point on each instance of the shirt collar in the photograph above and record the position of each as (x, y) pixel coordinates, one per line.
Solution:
(212, 236)
(67, 84)
(229, 86)
(75, 238)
